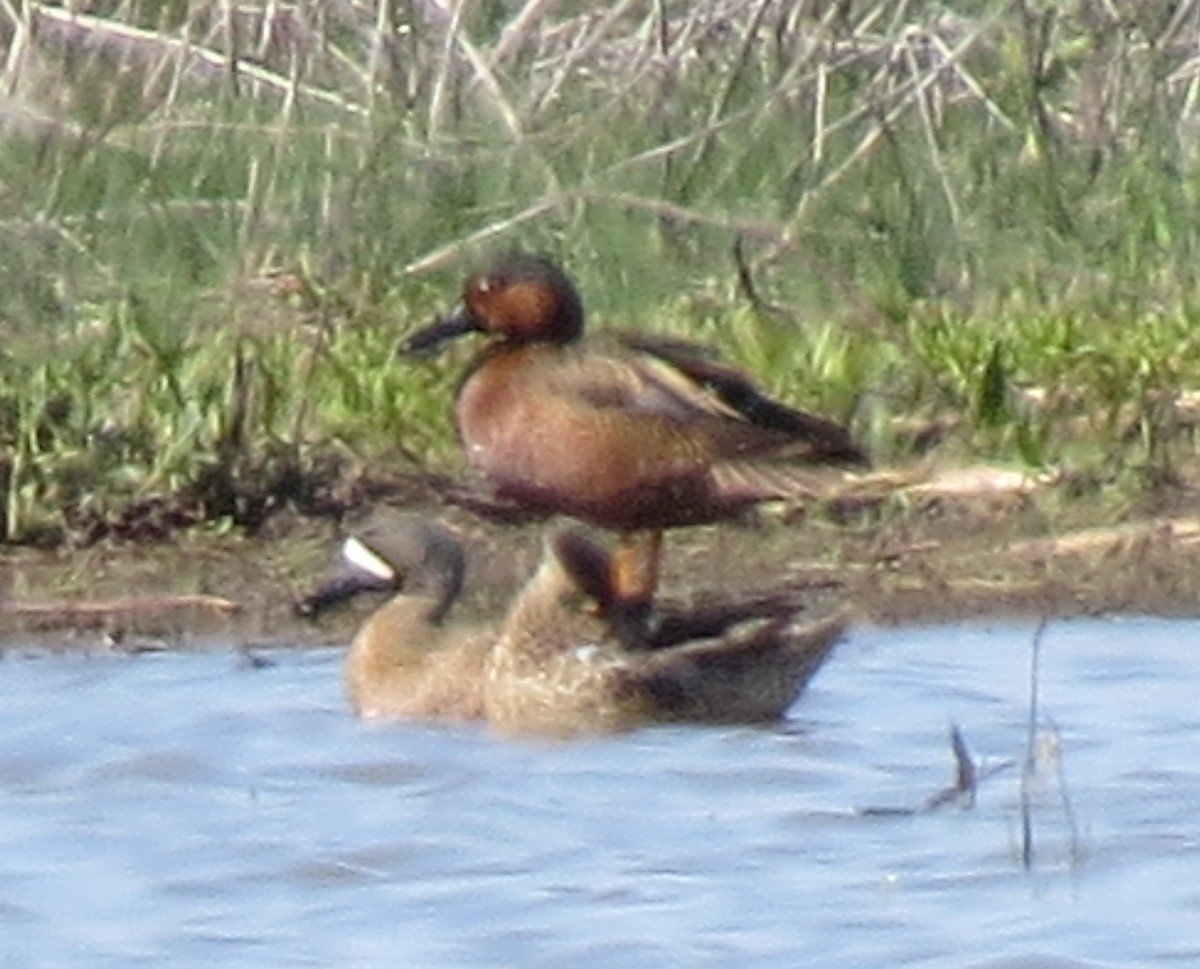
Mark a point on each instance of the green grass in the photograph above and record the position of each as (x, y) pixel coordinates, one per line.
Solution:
(215, 231)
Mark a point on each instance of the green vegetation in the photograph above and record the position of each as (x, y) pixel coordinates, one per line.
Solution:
(217, 221)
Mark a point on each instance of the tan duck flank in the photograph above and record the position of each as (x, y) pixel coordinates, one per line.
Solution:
(407, 660)
(558, 669)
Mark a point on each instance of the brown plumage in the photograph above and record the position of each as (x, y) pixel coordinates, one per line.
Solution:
(629, 432)
(407, 660)
(558, 670)
(556, 664)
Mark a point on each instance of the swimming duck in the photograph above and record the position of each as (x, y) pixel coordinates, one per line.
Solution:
(630, 432)
(557, 668)
(406, 660)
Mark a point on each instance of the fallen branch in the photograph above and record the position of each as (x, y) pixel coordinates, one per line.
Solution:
(93, 613)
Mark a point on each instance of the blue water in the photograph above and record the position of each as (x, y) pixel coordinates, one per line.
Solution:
(194, 808)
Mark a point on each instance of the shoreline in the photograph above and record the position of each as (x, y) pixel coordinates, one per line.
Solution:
(1013, 547)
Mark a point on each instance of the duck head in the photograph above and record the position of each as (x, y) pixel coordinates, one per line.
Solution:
(394, 552)
(519, 297)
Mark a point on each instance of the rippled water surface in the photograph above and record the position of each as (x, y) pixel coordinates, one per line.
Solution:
(197, 809)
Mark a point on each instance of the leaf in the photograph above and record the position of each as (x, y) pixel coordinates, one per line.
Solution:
(992, 405)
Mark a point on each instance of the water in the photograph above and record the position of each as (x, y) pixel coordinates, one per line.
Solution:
(191, 807)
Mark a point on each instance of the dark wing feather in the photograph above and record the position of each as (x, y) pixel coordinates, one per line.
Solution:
(676, 381)
(828, 440)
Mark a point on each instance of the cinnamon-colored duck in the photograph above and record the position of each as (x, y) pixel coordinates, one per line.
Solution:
(558, 670)
(630, 432)
(407, 660)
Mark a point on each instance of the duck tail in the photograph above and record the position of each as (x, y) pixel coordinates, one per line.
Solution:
(745, 482)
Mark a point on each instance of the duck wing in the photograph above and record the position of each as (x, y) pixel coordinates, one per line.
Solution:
(826, 440)
(750, 676)
(663, 379)
(671, 404)
(713, 613)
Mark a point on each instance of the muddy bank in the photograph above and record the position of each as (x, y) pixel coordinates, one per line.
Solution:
(1014, 547)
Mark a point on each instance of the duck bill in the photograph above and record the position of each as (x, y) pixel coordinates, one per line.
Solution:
(447, 328)
(335, 590)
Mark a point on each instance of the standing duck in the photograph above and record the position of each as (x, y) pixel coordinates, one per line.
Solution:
(630, 432)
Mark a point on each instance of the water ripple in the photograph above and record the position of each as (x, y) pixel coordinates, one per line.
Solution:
(186, 807)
